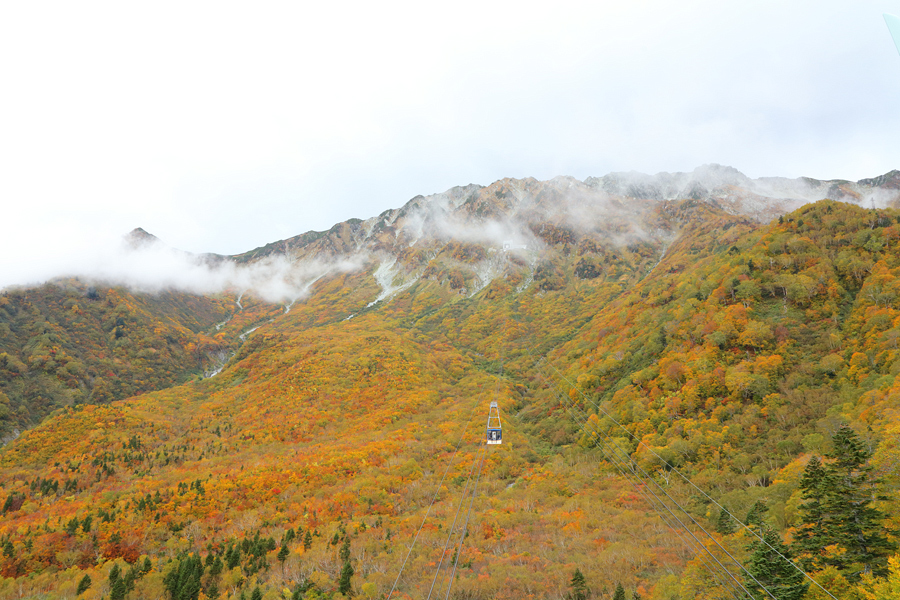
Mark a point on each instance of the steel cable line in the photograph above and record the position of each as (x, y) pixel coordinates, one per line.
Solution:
(462, 501)
(618, 462)
(715, 541)
(697, 546)
(462, 535)
(692, 484)
(673, 500)
(630, 474)
(437, 491)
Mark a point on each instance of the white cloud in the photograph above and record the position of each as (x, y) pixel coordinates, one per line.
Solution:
(221, 127)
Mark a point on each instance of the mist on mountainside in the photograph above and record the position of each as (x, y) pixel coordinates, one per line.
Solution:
(509, 211)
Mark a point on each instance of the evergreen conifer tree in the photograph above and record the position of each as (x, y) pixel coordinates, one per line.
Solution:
(619, 593)
(233, 557)
(767, 567)
(812, 536)
(83, 585)
(257, 594)
(307, 541)
(344, 584)
(282, 556)
(850, 519)
(757, 514)
(72, 526)
(118, 589)
(579, 587)
(725, 524)
(216, 567)
(130, 577)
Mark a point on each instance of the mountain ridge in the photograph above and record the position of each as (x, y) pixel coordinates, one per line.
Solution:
(764, 198)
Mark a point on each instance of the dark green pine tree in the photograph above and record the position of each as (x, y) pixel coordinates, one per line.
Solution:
(257, 594)
(282, 556)
(850, 519)
(183, 582)
(129, 579)
(344, 553)
(812, 536)
(216, 567)
(757, 514)
(83, 585)
(772, 572)
(72, 526)
(619, 593)
(118, 589)
(579, 587)
(307, 541)
(344, 584)
(725, 524)
(233, 557)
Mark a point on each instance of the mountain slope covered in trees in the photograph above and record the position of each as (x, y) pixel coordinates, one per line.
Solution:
(686, 333)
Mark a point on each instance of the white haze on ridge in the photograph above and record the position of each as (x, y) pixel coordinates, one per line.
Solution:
(153, 267)
(512, 216)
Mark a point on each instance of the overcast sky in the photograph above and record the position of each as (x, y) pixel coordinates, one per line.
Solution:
(220, 127)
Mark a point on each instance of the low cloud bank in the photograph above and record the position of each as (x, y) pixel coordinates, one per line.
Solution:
(152, 267)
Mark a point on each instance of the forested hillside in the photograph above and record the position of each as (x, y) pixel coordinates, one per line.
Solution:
(71, 342)
(667, 371)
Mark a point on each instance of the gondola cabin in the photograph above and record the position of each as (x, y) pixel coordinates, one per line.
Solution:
(494, 430)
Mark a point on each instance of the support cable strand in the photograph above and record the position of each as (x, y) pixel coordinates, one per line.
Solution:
(617, 461)
(691, 483)
(438, 490)
(462, 536)
(710, 536)
(462, 501)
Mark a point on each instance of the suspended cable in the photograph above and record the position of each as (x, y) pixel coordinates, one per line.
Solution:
(714, 540)
(691, 483)
(437, 491)
(462, 501)
(618, 461)
(628, 473)
(462, 536)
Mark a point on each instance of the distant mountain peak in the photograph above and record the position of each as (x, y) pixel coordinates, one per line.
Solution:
(138, 238)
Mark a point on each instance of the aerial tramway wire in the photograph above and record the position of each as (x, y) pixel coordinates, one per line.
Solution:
(626, 468)
(438, 490)
(692, 484)
(619, 463)
(462, 535)
(708, 535)
(462, 501)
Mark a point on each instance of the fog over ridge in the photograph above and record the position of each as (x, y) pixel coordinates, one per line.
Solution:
(508, 210)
